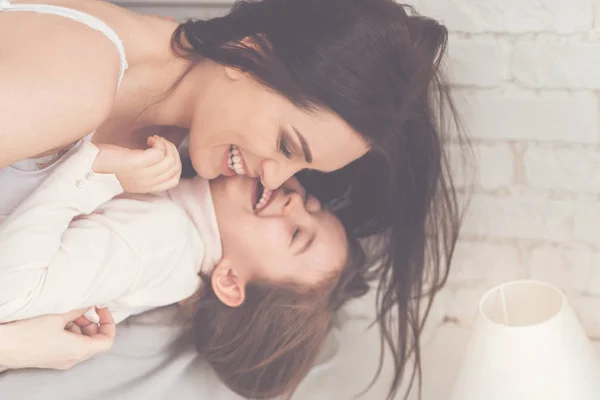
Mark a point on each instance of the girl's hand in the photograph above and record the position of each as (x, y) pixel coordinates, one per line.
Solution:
(141, 171)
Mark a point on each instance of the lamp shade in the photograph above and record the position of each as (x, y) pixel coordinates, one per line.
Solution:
(527, 344)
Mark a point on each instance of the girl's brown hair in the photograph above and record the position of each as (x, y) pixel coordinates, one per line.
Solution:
(264, 348)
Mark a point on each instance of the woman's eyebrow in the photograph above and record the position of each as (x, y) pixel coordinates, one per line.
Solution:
(305, 147)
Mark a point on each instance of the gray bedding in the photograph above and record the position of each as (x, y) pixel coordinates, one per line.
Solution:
(149, 361)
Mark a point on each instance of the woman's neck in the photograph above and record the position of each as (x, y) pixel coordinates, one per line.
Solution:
(160, 89)
(173, 96)
(151, 93)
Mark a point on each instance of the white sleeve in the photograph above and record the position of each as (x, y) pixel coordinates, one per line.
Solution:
(64, 249)
(31, 235)
(115, 258)
(35, 236)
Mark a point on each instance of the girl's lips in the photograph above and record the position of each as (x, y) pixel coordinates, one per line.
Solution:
(254, 193)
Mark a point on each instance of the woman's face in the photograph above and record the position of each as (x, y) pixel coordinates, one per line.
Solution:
(241, 127)
(283, 235)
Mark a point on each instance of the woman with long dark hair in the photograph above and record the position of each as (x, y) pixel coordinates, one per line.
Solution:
(348, 94)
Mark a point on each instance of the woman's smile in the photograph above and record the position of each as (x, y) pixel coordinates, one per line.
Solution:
(235, 160)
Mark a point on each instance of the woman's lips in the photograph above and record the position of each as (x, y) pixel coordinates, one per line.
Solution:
(225, 170)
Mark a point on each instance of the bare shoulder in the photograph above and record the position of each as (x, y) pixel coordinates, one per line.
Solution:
(58, 79)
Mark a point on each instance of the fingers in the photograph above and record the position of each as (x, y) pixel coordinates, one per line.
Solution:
(106, 333)
(167, 172)
(105, 317)
(88, 327)
(169, 177)
(104, 337)
(105, 326)
(159, 143)
(96, 338)
(168, 181)
(149, 157)
(171, 155)
(73, 328)
(72, 315)
(82, 321)
(152, 170)
(163, 165)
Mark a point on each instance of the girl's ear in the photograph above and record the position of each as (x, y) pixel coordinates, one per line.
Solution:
(229, 287)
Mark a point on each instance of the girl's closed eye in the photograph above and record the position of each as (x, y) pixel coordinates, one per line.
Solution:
(295, 234)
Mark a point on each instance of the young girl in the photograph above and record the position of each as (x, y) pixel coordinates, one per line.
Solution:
(258, 268)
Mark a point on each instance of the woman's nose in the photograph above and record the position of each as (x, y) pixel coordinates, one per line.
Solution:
(274, 174)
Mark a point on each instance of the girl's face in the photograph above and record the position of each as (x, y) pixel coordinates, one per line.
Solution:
(241, 127)
(281, 236)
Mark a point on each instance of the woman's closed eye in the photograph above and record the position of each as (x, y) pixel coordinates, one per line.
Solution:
(283, 147)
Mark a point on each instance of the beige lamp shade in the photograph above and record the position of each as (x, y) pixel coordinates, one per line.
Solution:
(527, 344)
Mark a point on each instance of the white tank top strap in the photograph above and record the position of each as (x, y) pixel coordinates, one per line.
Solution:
(78, 16)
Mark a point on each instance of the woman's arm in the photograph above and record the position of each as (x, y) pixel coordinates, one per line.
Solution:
(43, 342)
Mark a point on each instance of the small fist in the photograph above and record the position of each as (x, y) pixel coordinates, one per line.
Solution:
(155, 169)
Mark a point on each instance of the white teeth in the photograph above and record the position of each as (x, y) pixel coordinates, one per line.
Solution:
(235, 160)
(264, 199)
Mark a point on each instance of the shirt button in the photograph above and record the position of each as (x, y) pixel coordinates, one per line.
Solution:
(79, 184)
(89, 175)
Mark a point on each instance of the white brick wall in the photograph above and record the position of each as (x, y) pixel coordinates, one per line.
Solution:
(512, 16)
(478, 62)
(569, 169)
(557, 62)
(513, 113)
(526, 76)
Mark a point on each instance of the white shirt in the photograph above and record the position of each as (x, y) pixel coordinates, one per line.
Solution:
(77, 242)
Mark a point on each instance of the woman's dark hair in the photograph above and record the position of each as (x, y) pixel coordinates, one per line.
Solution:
(263, 348)
(376, 64)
